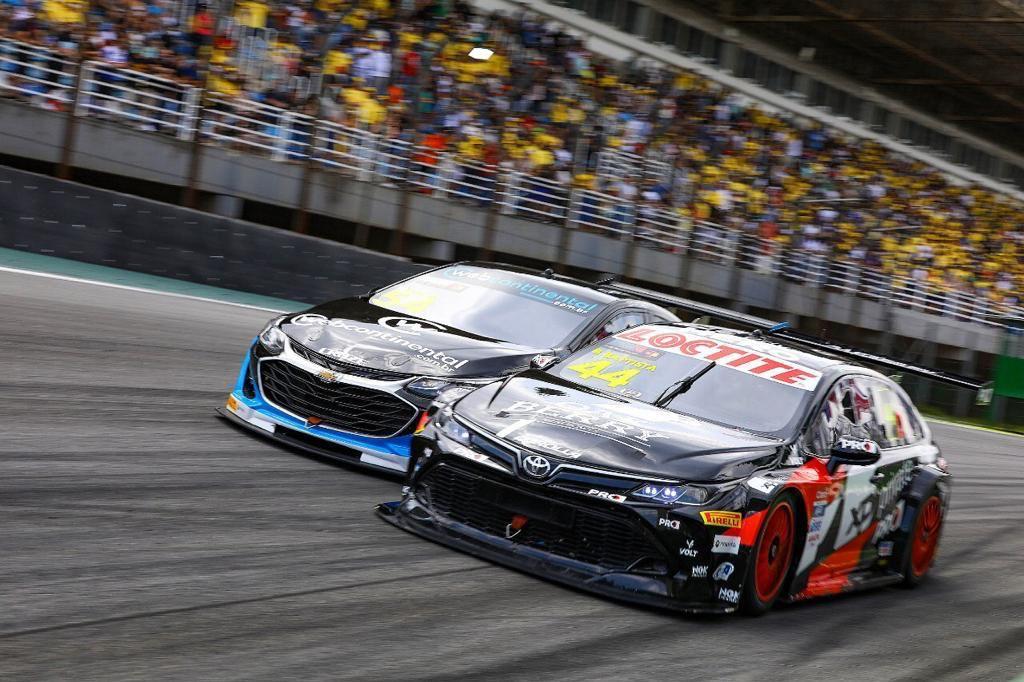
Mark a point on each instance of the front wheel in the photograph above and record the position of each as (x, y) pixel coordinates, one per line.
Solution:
(771, 558)
(924, 541)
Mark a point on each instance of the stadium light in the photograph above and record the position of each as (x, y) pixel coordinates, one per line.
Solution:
(481, 54)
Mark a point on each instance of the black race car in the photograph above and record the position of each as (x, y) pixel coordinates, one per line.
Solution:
(350, 379)
(693, 467)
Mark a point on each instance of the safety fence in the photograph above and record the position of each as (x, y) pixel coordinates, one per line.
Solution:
(153, 104)
(36, 74)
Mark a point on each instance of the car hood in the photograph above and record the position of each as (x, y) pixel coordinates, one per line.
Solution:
(355, 331)
(546, 414)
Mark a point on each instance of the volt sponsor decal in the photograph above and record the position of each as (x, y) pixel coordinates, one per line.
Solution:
(725, 544)
(689, 550)
(759, 359)
(729, 519)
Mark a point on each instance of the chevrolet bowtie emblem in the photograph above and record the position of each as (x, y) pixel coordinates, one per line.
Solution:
(312, 421)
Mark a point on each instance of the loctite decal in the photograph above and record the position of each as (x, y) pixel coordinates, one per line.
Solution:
(766, 361)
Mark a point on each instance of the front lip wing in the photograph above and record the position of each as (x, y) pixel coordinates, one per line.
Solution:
(650, 591)
(337, 453)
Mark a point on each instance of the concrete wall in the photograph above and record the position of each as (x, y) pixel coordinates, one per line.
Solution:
(69, 220)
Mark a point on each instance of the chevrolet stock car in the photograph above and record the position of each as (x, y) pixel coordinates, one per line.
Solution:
(693, 467)
(350, 379)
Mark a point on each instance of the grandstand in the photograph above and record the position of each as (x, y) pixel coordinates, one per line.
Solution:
(652, 150)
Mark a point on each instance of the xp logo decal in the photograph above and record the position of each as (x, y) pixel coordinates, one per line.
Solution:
(537, 466)
(407, 325)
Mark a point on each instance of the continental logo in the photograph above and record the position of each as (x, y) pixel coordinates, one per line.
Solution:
(722, 518)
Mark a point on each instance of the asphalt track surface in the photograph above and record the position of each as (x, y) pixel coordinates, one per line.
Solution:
(143, 538)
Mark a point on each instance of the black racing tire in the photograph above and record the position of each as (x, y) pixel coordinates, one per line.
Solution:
(923, 543)
(772, 557)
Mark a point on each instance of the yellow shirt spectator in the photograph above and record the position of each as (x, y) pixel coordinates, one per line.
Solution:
(251, 13)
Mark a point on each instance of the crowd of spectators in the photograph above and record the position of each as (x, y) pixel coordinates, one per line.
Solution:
(546, 106)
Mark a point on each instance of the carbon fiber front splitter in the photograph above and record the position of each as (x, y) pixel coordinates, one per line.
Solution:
(643, 590)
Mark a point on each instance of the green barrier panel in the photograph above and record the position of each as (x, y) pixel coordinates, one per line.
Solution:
(1008, 382)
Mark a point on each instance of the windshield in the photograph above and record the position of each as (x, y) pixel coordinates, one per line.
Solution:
(497, 304)
(746, 388)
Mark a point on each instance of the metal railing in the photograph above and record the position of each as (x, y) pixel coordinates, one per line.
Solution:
(36, 74)
(244, 125)
(150, 103)
(141, 100)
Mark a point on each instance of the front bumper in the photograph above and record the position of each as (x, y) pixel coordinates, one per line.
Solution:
(247, 407)
(671, 567)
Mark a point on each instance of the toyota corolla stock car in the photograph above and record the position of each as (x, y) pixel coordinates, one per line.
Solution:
(350, 379)
(686, 466)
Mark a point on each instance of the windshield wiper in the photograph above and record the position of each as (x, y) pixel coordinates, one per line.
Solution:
(682, 386)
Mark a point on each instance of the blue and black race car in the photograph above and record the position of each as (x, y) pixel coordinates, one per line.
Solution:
(350, 379)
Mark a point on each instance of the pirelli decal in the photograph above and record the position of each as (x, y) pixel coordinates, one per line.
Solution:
(728, 519)
(764, 360)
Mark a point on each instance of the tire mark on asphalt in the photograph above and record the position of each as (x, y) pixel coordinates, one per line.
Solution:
(564, 657)
(952, 667)
(976, 542)
(234, 602)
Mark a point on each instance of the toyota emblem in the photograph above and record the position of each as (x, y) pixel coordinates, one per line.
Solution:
(536, 466)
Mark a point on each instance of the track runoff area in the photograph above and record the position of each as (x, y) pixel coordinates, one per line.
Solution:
(143, 537)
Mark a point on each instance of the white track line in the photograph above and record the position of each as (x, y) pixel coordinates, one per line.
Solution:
(157, 292)
(974, 427)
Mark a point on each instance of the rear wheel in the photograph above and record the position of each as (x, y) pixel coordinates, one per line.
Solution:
(924, 541)
(771, 558)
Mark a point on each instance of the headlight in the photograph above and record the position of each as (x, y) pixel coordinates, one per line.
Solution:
(451, 428)
(272, 338)
(431, 387)
(673, 494)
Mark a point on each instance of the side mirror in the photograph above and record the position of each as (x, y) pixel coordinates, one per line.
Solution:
(855, 451)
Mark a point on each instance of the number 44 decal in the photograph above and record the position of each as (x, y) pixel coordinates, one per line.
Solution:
(595, 369)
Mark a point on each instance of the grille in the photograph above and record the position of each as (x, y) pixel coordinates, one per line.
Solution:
(576, 531)
(347, 367)
(355, 409)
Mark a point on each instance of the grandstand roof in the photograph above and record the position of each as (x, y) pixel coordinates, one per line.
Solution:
(959, 60)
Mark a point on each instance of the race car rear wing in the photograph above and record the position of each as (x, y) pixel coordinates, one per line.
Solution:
(782, 331)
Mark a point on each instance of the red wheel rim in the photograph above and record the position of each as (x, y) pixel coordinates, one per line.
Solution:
(926, 536)
(774, 552)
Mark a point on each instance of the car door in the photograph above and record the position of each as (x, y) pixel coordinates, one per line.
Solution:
(869, 504)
